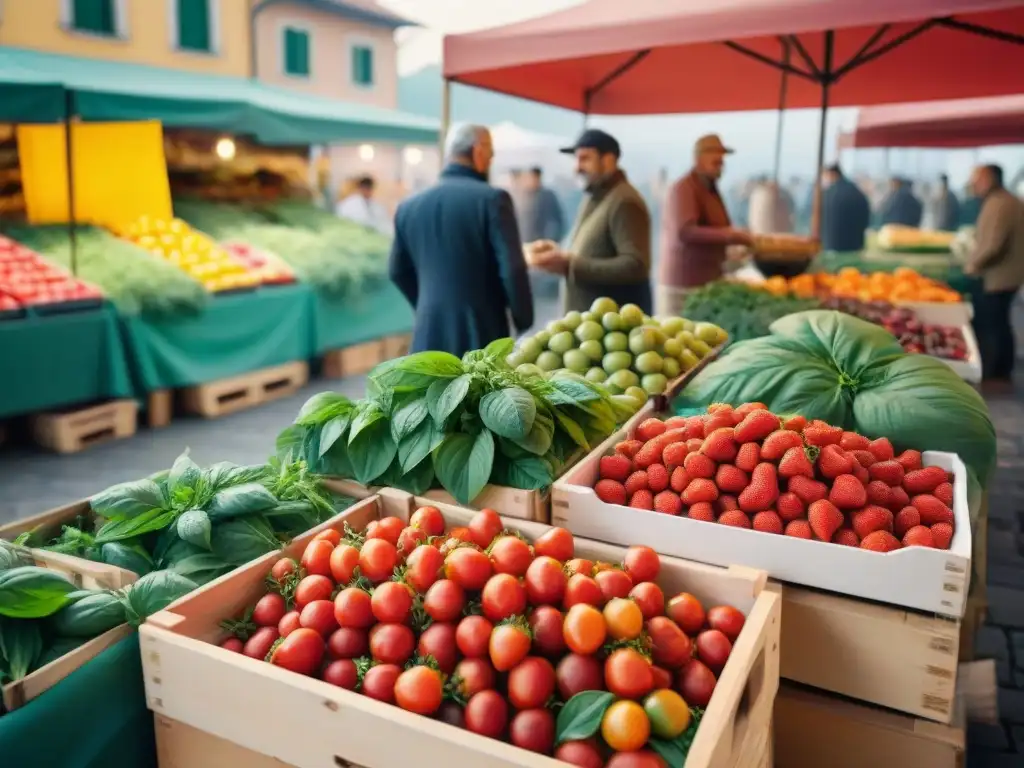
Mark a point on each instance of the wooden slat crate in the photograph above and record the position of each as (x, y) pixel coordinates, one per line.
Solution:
(238, 393)
(397, 346)
(48, 524)
(353, 360)
(75, 430)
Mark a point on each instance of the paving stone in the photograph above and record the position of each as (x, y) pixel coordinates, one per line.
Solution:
(1006, 575)
(1006, 606)
(988, 737)
(992, 643)
(1004, 546)
(1011, 705)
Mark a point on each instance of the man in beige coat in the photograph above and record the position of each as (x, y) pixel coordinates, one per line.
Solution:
(998, 258)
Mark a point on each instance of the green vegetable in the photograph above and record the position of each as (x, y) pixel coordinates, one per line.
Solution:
(130, 557)
(201, 567)
(12, 556)
(247, 538)
(240, 500)
(153, 593)
(21, 643)
(31, 592)
(580, 718)
(745, 311)
(90, 616)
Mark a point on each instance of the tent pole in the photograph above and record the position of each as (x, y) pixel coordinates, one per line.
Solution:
(69, 108)
(826, 80)
(782, 110)
(446, 117)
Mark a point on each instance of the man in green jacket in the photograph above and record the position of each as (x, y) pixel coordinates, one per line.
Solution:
(609, 250)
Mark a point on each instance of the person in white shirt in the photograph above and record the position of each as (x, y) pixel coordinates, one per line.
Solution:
(361, 208)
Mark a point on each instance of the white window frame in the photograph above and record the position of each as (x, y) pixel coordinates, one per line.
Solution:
(121, 22)
(361, 41)
(282, 62)
(213, 8)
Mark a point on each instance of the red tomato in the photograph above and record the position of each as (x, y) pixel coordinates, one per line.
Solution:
(503, 596)
(450, 713)
(556, 543)
(329, 534)
(628, 674)
(695, 683)
(347, 643)
(649, 597)
(546, 625)
(456, 537)
(378, 558)
(727, 620)
(508, 645)
(487, 714)
(259, 643)
(409, 539)
(474, 675)
(353, 608)
(232, 644)
(429, 520)
(510, 554)
(467, 567)
(288, 623)
(283, 568)
(662, 678)
(686, 611)
(391, 602)
(713, 648)
(533, 729)
(269, 610)
(342, 673)
(419, 690)
(313, 588)
(423, 568)
(484, 526)
(344, 560)
(444, 600)
(614, 583)
(545, 582)
(584, 754)
(302, 651)
(387, 528)
(670, 648)
(319, 616)
(645, 758)
(641, 563)
(576, 673)
(473, 635)
(531, 683)
(438, 640)
(317, 557)
(579, 565)
(379, 682)
(582, 589)
(392, 643)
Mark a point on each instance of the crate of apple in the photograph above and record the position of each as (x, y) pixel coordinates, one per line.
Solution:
(30, 280)
(587, 661)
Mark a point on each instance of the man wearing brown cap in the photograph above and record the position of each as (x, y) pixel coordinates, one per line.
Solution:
(695, 229)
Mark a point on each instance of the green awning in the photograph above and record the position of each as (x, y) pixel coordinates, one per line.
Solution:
(33, 88)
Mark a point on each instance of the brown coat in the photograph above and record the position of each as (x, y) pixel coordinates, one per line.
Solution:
(998, 255)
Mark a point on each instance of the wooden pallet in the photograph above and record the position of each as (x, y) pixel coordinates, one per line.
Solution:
(74, 431)
(354, 360)
(219, 398)
(397, 346)
(159, 408)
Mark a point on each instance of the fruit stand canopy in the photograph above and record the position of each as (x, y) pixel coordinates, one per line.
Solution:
(37, 88)
(949, 124)
(655, 56)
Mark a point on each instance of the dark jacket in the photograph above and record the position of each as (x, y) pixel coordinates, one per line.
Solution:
(540, 216)
(458, 260)
(901, 207)
(845, 215)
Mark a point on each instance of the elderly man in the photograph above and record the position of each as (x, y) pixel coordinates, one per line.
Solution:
(457, 257)
(695, 229)
(998, 258)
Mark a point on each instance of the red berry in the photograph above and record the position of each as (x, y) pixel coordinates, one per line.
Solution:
(610, 492)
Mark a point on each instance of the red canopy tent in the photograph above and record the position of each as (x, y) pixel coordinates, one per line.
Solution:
(946, 124)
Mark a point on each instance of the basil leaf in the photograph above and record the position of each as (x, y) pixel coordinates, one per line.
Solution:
(575, 390)
(364, 417)
(463, 464)
(202, 568)
(194, 527)
(408, 417)
(224, 474)
(580, 718)
(414, 448)
(331, 432)
(419, 480)
(509, 412)
(288, 445)
(131, 558)
(292, 517)
(440, 364)
(499, 349)
(538, 441)
(21, 643)
(184, 473)
(127, 500)
(531, 473)
(444, 396)
(239, 500)
(129, 528)
(31, 592)
(239, 541)
(321, 408)
(372, 451)
(572, 429)
(152, 593)
(335, 462)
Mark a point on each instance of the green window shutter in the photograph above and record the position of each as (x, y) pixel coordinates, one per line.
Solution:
(96, 16)
(362, 65)
(296, 52)
(194, 25)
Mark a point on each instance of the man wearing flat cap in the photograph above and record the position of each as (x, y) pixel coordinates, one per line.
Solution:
(610, 246)
(695, 229)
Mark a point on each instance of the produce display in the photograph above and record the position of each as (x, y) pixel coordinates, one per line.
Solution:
(478, 628)
(264, 266)
(895, 237)
(620, 347)
(902, 284)
(432, 419)
(750, 468)
(914, 336)
(743, 310)
(29, 280)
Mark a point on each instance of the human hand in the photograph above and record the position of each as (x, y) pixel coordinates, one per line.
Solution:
(534, 251)
(743, 237)
(556, 262)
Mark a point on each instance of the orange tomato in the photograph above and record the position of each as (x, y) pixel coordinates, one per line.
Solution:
(624, 618)
(584, 629)
(625, 727)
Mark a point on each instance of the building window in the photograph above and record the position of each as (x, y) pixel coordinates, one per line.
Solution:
(194, 25)
(97, 17)
(296, 52)
(362, 65)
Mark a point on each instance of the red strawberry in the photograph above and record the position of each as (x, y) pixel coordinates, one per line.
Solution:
(720, 445)
(674, 455)
(702, 510)
(821, 434)
(807, 490)
(734, 518)
(942, 535)
(719, 408)
(870, 519)
(610, 492)
(879, 493)
(905, 519)
(861, 474)
(694, 443)
(768, 522)
(615, 467)
(748, 456)
(763, 489)
(932, 510)
(794, 423)
(800, 529)
(778, 442)
(848, 492)
(880, 541)
(700, 489)
(846, 537)
(628, 448)
(795, 462)
(675, 422)
(789, 506)
(851, 441)
(731, 479)
(756, 426)
(864, 458)
(653, 448)
(642, 500)
(910, 460)
(825, 519)
(649, 429)
(679, 480)
(924, 480)
(718, 421)
(889, 472)
(944, 493)
(699, 465)
(918, 536)
(727, 502)
(636, 482)
(668, 503)
(898, 498)
(882, 449)
(657, 478)
(694, 427)
(746, 408)
(833, 462)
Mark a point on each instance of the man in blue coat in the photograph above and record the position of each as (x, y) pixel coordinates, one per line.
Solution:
(901, 206)
(845, 212)
(457, 256)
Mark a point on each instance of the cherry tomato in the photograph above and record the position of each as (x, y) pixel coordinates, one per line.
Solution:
(342, 673)
(232, 644)
(347, 643)
(423, 568)
(713, 648)
(503, 596)
(484, 526)
(332, 535)
(695, 683)
(444, 600)
(581, 566)
(317, 557)
(533, 729)
(662, 677)
(641, 563)
(473, 636)
(387, 528)
(283, 568)
(313, 588)
(556, 543)
(392, 643)
(508, 645)
(670, 648)
(546, 625)
(258, 644)
(531, 683)
(584, 754)
(727, 620)
(353, 608)
(614, 583)
(474, 675)
(450, 712)
(584, 629)
(686, 611)
(468, 567)
(601, 566)
(545, 582)
(510, 554)
(624, 618)
(391, 602)
(649, 597)
(429, 520)
(269, 610)
(379, 682)
(644, 758)
(319, 616)
(456, 537)
(628, 674)
(438, 640)
(419, 690)
(487, 714)
(288, 623)
(409, 539)
(625, 727)
(576, 673)
(378, 558)
(582, 589)
(344, 560)
(302, 651)
(668, 713)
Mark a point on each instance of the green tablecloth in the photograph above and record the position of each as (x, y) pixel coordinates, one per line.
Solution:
(380, 311)
(57, 360)
(94, 718)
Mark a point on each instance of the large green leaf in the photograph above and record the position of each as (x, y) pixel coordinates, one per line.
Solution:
(538, 441)
(332, 431)
(321, 408)
(416, 446)
(128, 499)
(445, 395)
(240, 500)
(129, 528)
(463, 464)
(509, 412)
(372, 451)
(407, 417)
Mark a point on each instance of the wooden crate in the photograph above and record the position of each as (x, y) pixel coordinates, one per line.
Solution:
(75, 430)
(159, 408)
(191, 681)
(353, 360)
(219, 398)
(397, 346)
(813, 730)
(48, 524)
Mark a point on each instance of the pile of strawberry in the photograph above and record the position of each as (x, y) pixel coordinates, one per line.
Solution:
(750, 468)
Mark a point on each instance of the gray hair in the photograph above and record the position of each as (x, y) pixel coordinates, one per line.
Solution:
(461, 139)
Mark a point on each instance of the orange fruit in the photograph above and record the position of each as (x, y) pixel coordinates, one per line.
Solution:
(624, 619)
(625, 727)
